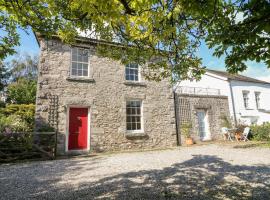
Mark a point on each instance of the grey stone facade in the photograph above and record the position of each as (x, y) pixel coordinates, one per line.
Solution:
(105, 92)
(215, 107)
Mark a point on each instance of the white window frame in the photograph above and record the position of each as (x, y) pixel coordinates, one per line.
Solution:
(246, 99)
(257, 99)
(139, 74)
(141, 118)
(88, 63)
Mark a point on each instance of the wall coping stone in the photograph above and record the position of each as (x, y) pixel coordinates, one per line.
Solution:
(202, 96)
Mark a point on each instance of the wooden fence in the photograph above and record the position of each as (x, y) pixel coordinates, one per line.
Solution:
(27, 146)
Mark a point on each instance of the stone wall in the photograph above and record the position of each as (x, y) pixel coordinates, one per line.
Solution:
(105, 92)
(215, 106)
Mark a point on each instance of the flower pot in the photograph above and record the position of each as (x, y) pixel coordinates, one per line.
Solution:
(189, 141)
(238, 136)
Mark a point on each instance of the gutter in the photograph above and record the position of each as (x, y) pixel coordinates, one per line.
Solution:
(233, 103)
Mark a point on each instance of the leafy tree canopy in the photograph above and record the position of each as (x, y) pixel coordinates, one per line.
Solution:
(167, 29)
(23, 66)
(4, 75)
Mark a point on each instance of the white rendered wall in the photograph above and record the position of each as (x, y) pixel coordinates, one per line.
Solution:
(247, 115)
(212, 81)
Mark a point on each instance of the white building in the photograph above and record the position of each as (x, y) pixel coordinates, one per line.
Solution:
(248, 97)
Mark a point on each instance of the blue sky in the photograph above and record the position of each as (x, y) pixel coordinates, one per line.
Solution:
(256, 70)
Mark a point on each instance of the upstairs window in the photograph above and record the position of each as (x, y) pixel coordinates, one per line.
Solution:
(132, 72)
(134, 115)
(257, 99)
(246, 99)
(79, 62)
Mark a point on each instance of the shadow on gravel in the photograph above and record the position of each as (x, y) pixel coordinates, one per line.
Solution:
(202, 177)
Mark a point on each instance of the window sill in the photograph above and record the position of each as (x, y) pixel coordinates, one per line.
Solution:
(81, 79)
(131, 134)
(135, 83)
(249, 108)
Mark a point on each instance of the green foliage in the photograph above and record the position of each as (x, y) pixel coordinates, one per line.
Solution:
(23, 91)
(9, 35)
(17, 117)
(261, 132)
(2, 104)
(226, 121)
(4, 75)
(169, 30)
(241, 33)
(186, 129)
(13, 123)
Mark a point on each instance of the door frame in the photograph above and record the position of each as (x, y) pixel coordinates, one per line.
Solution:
(206, 123)
(67, 129)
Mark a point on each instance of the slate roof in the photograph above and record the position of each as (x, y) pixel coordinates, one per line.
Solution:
(236, 77)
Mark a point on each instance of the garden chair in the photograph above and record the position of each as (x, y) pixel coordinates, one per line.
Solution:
(226, 134)
(245, 134)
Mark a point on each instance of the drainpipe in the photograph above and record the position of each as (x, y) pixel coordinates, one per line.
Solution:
(176, 118)
(233, 104)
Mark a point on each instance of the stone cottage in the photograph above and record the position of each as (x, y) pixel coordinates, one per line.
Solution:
(102, 105)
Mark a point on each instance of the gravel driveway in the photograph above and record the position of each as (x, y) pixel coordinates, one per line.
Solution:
(198, 172)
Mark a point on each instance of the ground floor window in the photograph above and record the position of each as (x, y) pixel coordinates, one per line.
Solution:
(134, 115)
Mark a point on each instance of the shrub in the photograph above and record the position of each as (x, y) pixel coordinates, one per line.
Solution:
(23, 91)
(261, 132)
(17, 117)
(13, 123)
(2, 104)
(226, 121)
(186, 129)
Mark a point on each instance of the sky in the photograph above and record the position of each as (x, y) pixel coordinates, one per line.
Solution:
(30, 46)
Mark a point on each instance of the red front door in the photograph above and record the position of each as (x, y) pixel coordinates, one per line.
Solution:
(78, 123)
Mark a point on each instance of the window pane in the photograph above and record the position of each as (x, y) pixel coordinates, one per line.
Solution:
(129, 126)
(74, 57)
(79, 66)
(128, 119)
(74, 72)
(138, 126)
(128, 111)
(85, 73)
(133, 126)
(74, 65)
(79, 72)
(85, 67)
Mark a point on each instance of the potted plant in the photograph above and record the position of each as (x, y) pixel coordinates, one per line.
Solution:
(186, 131)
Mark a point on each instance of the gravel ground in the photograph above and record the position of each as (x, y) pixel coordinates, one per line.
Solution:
(199, 172)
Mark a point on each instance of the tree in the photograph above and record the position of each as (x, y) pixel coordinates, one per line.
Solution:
(169, 30)
(4, 75)
(23, 91)
(242, 33)
(23, 66)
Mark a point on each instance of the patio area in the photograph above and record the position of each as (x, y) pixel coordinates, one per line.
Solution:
(228, 170)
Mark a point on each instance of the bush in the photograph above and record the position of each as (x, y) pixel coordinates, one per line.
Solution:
(23, 91)
(13, 123)
(17, 117)
(2, 104)
(261, 132)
